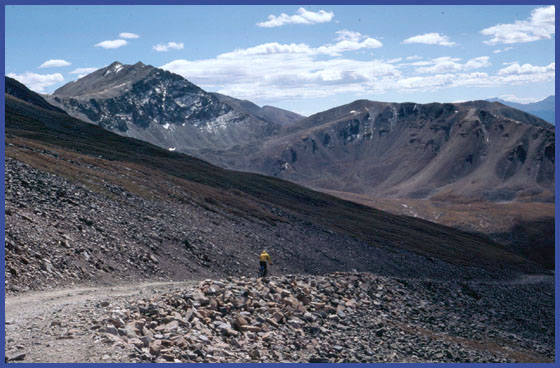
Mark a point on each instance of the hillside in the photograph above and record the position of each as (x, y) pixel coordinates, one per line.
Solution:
(467, 151)
(85, 204)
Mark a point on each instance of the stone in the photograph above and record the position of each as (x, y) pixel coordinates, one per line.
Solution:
(315, 359)
(136, 342)
(16, 357)
(239, 321)
(155, 347)
(251, 328)
(110, 329)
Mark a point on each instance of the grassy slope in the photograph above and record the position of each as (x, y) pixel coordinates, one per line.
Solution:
(245, 194)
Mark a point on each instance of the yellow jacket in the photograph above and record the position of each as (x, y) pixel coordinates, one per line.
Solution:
(265, 257)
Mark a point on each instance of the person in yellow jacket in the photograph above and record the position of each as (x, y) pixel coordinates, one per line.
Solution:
(263, 258)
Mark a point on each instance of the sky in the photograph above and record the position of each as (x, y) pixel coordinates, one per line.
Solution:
(302, 58)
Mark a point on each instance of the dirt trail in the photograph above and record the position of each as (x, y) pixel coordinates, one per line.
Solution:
(48, 326)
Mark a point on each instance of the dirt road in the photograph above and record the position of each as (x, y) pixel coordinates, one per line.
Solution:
(53, 326)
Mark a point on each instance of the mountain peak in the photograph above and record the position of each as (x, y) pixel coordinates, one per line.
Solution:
(106, 82)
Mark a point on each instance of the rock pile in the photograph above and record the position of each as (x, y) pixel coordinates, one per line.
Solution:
(341, 317)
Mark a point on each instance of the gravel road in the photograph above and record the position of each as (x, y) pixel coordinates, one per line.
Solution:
(48, 326)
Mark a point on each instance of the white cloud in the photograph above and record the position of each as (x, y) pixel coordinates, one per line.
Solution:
(414, 57)
(269, 49)
(128, 35)
(83, 71)
(516, 75)
(522, 100)
(430, 39)
(114, 44)
(168, 46)
(478, 62)
(303, 16)
(448, 64)
(540, 25)
(497, 51)
(37, 82)
(54, 63)
(347, 45)
(516, 69)
(348, 35)
(302, 48)
(272, 72)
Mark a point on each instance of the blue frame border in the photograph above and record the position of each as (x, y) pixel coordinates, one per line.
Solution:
(274, 2)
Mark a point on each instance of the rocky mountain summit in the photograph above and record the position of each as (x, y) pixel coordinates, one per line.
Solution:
(165, 109)
(335, 318)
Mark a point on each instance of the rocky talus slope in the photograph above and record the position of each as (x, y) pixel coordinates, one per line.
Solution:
(61, 232)
(340, 317)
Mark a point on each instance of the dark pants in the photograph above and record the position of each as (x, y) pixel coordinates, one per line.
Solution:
(263, 265)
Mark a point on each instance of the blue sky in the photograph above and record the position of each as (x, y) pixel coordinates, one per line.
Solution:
(302, 58)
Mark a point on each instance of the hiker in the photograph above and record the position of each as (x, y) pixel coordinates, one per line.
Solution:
(264, 257)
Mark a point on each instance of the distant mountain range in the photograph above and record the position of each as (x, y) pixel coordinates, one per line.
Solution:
(544, 109)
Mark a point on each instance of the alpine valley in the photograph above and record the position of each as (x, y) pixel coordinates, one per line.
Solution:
(478, 166)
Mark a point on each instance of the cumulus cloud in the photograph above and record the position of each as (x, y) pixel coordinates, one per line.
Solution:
(522, 100)
(414, 57)
(128, 35)
(348, 35)
(430, 39)
(478, 62)
(275, 71)
(540, 25)
(303, 16)
(114, 44)
(497, 51)
(448, 64)
(348, 45)
(272, 72)
(168, 46)
(516, 69)
(54, 63)
(302, 48)
(83, 70)
(37, 82)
